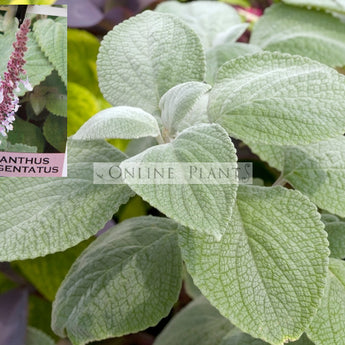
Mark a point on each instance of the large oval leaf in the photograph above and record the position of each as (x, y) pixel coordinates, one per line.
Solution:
(45, 215)
(268, 272)
(299, 31)
(162, 52)
(277, 98)
(203, 206)
(328, 5)
(134, 269)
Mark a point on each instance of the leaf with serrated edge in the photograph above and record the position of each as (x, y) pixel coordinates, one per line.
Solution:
(303, 32)
(198, 323)
(331, 5)
(119, 122)
(135, 269)
(45, 215)
(35, 336)
(289, 105)
(268, 272)
(207, 18)
(184, 105)
(220, 54)
(162, 52)
(204, 207)
(52, 38)
(317, 170)
(328, 325)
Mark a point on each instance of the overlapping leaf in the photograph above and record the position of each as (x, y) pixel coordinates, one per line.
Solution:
(209, 19)
(268, 272)
(52, 38)
(36, 337)
(277, 98)
(202, 206)
(45, 215)
(135, 269)
(184, 105)
(329, 5)
(328, 325)
(119, 122)
(300, 31)
(162, 52)
(317, 170)
(198, 323)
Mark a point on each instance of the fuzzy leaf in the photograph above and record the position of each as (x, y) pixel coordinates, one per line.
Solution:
(208, 19)
(317, 35)
(135, 269)
(161, 53)
(204, 207)
(198, 323)
(52, 38)
(218, 55)
(45, 215)
(328, 325)
(268, 272)
(184, 105)
(317, 170)
(277, 98)
(329, 5)
(119, 122)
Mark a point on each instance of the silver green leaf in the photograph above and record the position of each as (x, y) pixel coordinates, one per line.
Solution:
(211, 20)
(268, 272)
(203, 206)
(328, 5)
(35, 336)
(119, 122)
(317, 35)
(220, 54)
(276, 98)
(135, 269)
(317, 170)
(45, 215)
(328, 325)
(198, 323)
(184, 105)
(52, 38)
(162, 52)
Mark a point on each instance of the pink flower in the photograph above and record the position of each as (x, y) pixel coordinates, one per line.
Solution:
(10, 84)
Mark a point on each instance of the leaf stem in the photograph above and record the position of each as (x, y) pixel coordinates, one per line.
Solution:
(280, 181)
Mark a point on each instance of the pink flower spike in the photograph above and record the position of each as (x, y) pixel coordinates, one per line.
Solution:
(9, 85)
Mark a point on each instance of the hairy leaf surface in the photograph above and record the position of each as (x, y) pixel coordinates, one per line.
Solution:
(328, 325)
(198, 323)
(331, 5)
(119, 122)
(205, 207)
(209, 19)
(317, 35)
(135, 269)
(268, 272)
(277, 98)
(162, 52)
(184, 105)
(45, 215)
(317, 170)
